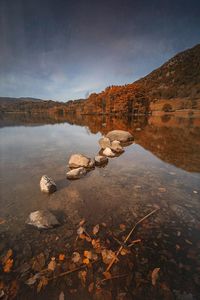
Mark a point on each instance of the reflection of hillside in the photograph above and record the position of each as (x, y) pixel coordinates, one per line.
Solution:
(15, 119)
(174, 140)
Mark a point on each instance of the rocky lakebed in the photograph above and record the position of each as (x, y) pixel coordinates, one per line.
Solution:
(107, 250)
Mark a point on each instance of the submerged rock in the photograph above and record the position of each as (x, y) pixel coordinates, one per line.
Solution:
(80, 160)
(119, 135)
(100, 160)
(47, 185)
(108, 152)
(76, 173)
(42, 219)
(104, 142)
(115, 146)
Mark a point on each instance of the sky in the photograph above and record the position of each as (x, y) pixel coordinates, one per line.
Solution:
(67, 49)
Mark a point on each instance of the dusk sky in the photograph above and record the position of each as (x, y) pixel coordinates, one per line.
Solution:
(66, 49)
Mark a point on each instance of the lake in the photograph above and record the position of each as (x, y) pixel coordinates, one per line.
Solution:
(161, 168)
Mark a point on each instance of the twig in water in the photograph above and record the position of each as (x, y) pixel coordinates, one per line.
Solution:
(128, 236)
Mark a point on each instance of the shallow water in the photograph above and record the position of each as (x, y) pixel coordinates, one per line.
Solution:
(161, 167)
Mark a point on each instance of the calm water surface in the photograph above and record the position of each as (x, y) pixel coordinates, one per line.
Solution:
(161, 167)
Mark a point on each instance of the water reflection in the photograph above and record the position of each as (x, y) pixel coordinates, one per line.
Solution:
(160, 168)
(173, 139)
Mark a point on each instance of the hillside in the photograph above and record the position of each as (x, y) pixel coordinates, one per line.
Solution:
(173, 86)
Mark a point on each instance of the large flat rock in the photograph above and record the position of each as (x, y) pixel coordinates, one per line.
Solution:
(119, 135)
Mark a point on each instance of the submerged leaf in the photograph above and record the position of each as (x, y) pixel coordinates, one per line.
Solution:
(80, 230)
(8, 265)
(61, 257)
(42, 283)
(96, 229)
(154, 276)
(107, 256)
(88, 254)
(82, 275)
(91, 287)
(86, 261)
(52, 264)
(76, 258)
(107, 275)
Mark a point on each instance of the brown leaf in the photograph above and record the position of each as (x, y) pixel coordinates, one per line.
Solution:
(80, 230)
(7, 256)
(88, 254)
(82, 275)
(95, 229)
(154, 276)
(107, 256)
(39, 262)
(42, 283)
(2, 221)
(91, 287)
(107, 275)
(122, 227)
(81, 222)
(8, 265)
(52, 264)
(76, 258)
(61, 257)
(86, 261)
(124, 252)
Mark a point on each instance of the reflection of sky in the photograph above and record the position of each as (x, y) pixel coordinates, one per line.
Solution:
(67, 49)
(24, 143)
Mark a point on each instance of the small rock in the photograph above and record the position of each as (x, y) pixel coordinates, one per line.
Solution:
(47, 185)
(115, 146)
(43, 219)
(100, 160)
(119, 135)
(104, 143)
(108, 152)
(76, 173)
(80, 160)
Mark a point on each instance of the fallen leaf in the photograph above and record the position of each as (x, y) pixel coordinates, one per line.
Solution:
(107, 275)
(52, 264)
(76, 258)
(86, 261)
(103, 224)
(154, 276)
(39, 262)
(96, 229)
(61, 257)
(61, 296)
(96, 245)
(80, 230)
(88, 254)
(107, 256)
(8, 265)
(122, 227)
(2, 221)
(162, 189)
(33, 279)
(81, 222)
(7, 256)
(82, 275)
(42, 283)
(124, 252)
(188, 242)
(91, 287)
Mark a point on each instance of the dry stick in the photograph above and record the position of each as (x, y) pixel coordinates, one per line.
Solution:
(128, 236)
(114, 277)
